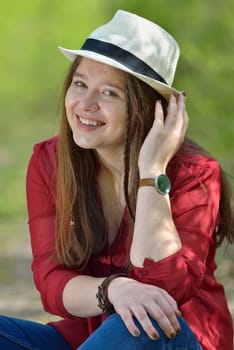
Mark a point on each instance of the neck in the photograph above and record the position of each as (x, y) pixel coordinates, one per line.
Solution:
(112, 163)
(111, 176)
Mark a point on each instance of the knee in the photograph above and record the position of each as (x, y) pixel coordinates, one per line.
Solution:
(113, 331)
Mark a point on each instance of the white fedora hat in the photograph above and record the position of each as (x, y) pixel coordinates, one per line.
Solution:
(136, 46)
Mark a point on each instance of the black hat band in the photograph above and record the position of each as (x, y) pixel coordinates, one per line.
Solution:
(122, 56)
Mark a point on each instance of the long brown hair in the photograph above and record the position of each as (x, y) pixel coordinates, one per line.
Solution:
(81, 226)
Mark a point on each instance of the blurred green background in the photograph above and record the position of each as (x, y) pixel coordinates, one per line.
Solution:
(32, 72)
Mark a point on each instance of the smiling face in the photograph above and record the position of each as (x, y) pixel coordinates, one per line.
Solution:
(96, 107)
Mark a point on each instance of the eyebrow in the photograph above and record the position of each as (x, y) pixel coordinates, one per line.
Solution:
(76, 74)
(108, 83)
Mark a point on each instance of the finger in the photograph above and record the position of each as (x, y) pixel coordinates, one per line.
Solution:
(186, 122)
(180, 111)
(145, 322)
(173, 305)
(176, 121)
(183, 119)
(171, 301)
(159, 114)
(127, 318)
(171, 120)
(169, 307)
(161, 297)
(172, 107)
(167, 321)
(181, 104)
(172, 317)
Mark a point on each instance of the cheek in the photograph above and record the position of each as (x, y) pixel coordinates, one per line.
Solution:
(68, 101)
(119, 122)
(122, 117)
(68, 107)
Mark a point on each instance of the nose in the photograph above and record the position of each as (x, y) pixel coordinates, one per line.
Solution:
(89, 102)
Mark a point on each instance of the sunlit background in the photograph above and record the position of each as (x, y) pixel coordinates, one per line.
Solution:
(31, 76)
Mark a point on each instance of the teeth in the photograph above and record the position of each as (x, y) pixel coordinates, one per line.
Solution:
(90, 122)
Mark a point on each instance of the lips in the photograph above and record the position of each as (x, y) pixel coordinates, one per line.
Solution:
(90, 122)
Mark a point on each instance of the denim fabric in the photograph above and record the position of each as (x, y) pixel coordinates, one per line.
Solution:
(114, 335)
(16, 334)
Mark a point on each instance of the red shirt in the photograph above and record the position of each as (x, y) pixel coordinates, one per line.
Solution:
(187, 275)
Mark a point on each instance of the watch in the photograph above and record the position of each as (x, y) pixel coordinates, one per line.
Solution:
(161, 183)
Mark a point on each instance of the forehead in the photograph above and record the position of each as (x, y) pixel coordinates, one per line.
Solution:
(90, 67)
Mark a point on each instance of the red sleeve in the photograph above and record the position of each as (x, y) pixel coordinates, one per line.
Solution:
(49, 276)
(195, 199)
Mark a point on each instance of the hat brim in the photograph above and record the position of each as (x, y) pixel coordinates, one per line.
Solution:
(163, 89)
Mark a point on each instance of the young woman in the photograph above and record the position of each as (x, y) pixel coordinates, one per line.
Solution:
(125, 213)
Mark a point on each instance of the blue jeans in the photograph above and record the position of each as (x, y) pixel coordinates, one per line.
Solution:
(113, 334)
(16, 334)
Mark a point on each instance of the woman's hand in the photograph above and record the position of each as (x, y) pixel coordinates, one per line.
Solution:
(164, 138)
(131, 298)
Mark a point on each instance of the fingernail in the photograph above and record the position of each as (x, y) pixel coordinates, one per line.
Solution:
(172, 335)
(136, 333)
(155, 336)
(177, 331)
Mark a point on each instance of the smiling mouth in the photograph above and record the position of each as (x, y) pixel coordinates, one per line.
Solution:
(90, 122)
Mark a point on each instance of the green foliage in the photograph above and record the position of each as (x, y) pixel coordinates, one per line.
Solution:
(32, 72)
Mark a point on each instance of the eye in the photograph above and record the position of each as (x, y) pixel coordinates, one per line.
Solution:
(79, 84)
(110, 93)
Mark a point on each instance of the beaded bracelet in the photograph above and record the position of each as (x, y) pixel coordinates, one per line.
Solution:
(103, 301)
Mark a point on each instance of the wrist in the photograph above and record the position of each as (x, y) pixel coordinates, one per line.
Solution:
(102, 295)
(152, 172)
(115, 285)
(161, 183)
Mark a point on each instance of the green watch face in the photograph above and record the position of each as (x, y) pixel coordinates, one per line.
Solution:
(163, 184)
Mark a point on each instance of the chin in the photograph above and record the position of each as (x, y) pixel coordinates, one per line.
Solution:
(80, 144)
